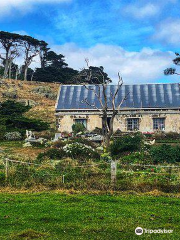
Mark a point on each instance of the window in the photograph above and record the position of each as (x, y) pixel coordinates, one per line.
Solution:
(132, 124)
(82, 121)
(159, 124)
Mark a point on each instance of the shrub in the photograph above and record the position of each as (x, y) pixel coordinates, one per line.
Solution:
(51, 154)
(2, 131)
(172, 135)
(11, 93)
(13, 136)
(45, 91)
(97, 131)
(165, 153)
(83, 140)
(78, 127)
(106, 157)
(2, 178)
(128, 143)
(135, 157)
(80, 151)
(59, 144)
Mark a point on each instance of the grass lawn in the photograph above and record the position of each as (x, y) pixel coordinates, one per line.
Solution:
(77, 216)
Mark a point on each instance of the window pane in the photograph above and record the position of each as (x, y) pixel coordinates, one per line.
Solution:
(159, 124)
(82, 121)
(132, 124)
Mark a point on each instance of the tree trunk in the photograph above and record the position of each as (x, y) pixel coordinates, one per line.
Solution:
(25, 72)
(6, 65)
(10, 66)
(107, 130)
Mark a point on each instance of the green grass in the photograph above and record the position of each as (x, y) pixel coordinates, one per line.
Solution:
(77, 216)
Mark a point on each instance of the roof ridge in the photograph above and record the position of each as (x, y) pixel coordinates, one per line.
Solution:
(123, 84)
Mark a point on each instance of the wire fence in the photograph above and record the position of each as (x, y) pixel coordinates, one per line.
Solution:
(102, 175)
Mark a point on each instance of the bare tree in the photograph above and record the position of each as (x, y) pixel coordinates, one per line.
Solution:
(108, 108)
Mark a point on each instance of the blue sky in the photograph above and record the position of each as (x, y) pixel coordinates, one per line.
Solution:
(137, 38)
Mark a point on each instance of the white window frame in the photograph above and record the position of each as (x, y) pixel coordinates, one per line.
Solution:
(134, 125)
(159, 124)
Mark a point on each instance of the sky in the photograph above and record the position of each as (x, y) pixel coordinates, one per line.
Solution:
(135, 38)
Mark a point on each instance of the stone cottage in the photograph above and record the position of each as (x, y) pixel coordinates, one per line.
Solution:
(148, 108)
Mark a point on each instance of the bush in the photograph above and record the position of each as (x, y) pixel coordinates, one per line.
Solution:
(128, 143)
(97, 131)
(78, 127)
(165, 136)
(136, 157)
(165, 153)
(11, 93)
(2, 178)
(2, 131)
(83, 140)
(13, 136)
(80, 151)
(59, 144)
(45, 91)
(51, 154)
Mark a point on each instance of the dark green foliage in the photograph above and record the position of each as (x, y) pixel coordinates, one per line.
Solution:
(128, 143)
(13, 108)
(55, 60)
(97, 130)
(2, 178)
(52, 74)
(135, 157)
(78, 127)
(12, 119)
(165, 153)
(93, 75)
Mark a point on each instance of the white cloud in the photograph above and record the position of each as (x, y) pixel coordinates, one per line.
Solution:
(7, 6)
(135, 67)
(168, 31)
(145, 11)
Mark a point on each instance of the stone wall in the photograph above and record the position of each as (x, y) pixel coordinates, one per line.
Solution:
(65, 121)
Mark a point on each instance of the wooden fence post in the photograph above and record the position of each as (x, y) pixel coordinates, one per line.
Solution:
(113, 171)
(6, 168)
(63, 178)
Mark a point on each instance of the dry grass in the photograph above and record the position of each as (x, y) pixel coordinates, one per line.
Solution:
(45, 107)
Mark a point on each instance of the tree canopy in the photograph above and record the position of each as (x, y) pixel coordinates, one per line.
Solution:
(53, 67)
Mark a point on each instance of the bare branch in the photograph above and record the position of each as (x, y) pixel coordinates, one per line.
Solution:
(122, 101)
(91, 105)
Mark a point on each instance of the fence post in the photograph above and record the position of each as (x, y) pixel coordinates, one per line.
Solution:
(113, 171)
(6, 168)
(63, 178)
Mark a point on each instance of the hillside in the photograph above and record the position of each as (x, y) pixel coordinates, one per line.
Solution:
(24, 91)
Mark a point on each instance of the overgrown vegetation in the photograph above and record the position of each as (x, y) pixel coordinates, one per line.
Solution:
(126, 144)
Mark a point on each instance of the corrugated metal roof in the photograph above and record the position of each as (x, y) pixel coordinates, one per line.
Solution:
(140, 96)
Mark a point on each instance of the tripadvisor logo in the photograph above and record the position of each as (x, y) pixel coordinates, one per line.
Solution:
(139, 231)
